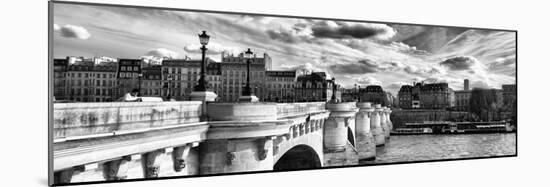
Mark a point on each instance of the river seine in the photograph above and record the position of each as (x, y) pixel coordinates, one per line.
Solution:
(409, 148)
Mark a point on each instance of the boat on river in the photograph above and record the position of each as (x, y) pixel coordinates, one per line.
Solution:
(448, 127)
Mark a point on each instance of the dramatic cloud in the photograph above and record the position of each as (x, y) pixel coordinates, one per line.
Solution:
(365, 80)
(394, 87)
(161, 53)
(348, 51)
(284, 36)
(449, 80)
(504, 65)
(73, 31)
(461, 63)
(398, 46)
(306, 68)
(365, 66)
(340, 30)
(213, 48)
(423, 71)
(479, 84)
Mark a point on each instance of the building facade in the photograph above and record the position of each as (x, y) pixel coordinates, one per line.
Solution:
(214, 77)
(60, 67)
(509, 94)
(128, 75)
(314, 87)
(462, 100)
(426, 96)
(87, 81)
(233, 75)
(374, 94)
(151, 81)
(280, 86)
(405, 96)
(180, 76)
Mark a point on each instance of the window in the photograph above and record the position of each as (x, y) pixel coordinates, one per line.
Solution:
(136, 68)
(123, 68)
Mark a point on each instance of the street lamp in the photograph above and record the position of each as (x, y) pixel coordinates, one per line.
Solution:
(169, 94)
(139, 82)
(203, 38)
(247, 94)
(355, 91)
(358, 95)
(247, 91)
(333, 98)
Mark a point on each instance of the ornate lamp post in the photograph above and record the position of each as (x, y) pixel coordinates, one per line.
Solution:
(168, 85)
(358, 96)
(139, 82)
(247, 91)
(247, 94)
(203, 38)
(355, 92)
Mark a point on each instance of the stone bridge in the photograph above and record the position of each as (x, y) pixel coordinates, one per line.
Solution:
(118, 141)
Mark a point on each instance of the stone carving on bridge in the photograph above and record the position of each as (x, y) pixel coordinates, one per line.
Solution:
(63, 176)
(116, 169)
(294, 131)
(263, 147)
(179, 154)
(151, 167)
(229, 157)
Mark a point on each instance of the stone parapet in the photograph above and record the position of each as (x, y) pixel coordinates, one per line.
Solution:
(73, 120)
(244, 111)
(295, 109)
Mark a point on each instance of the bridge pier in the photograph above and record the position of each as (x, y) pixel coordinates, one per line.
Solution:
(389, 123)
(384, 122)
(338, 145)
(240, 138)
(366, 145)
(376, 127)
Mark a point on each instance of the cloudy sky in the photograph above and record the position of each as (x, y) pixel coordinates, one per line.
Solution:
(389, 55)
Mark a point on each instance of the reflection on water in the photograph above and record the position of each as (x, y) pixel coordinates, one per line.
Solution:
(436, 147)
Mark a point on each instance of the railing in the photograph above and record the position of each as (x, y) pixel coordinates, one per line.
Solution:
(85, 120)
(295, 109)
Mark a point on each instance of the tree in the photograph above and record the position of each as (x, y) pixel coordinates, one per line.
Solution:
(484, 103)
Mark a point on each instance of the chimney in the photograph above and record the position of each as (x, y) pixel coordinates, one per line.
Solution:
(466, 84)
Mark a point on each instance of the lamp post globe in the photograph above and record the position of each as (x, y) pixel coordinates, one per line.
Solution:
(204, 38)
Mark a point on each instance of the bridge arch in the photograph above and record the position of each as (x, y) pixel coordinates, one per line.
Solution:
(298, 157)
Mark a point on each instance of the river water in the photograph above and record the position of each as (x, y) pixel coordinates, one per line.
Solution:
(409, 148)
